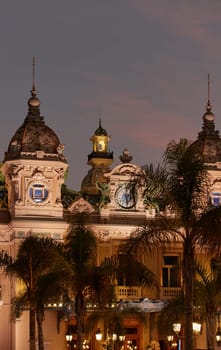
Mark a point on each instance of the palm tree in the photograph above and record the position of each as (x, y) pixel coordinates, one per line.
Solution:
(80, 252)
(193, 222)
(96, 284)
(114, 321)
(207, 296)
(128, 271)
(41, 269)
(122, 270)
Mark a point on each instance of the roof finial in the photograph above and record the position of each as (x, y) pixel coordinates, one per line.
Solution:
(33, 91)
(99, 116)
(208, 116)
(125, 157)
(209, 107)
(208, 87)
(34, 101)
(33, 73)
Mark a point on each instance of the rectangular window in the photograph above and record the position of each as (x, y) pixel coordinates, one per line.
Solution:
(38, 193)
(216, 198)
(171, 271)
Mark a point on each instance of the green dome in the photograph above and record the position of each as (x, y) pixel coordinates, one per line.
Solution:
(100, 131)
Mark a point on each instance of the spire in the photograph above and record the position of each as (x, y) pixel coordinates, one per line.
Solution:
(208, 107)
(99, 116)
(100, 131)
(208, 116)
(33, 102)
(33, 73)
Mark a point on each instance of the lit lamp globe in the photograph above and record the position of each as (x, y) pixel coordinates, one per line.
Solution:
(177, 328)
(114, 337)
(68, 337)
(121, 338)
(98, 334)
(196, 327)
(218, 336)
(170, 338)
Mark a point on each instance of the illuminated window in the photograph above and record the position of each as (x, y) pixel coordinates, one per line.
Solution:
(170, 271)
(100, 146)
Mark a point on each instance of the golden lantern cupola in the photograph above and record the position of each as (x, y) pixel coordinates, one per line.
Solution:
(100, 141)
(99, 159)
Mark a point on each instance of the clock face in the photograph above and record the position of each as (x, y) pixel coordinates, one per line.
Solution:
(125, 196)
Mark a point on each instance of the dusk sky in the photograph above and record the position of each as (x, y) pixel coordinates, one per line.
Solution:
(143, 63)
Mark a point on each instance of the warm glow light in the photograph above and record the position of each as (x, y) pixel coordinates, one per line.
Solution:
(218, 336)
(196, 327)
(98, 334)
(114, 337)
(177, 327)
(170, 338)
(68, 337)
(121, 337)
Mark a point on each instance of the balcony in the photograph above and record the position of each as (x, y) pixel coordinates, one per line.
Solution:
(128, 292)
(169, 292)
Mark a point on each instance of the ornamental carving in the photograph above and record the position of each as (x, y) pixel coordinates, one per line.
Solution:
(81, 206)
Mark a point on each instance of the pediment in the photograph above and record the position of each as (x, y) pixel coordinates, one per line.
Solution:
(128, 169)
(81, 206)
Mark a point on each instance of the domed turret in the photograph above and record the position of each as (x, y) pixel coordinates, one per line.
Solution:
(100, 141)
(208, 142)
(34, 167)
(34, 136)
(99, 159)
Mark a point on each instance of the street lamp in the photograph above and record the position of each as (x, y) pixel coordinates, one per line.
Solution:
(121, 338)
(114, 336)
(218, 336)
(176, 343)
(170, 339)
(218, 332)
(98, 335)
(177, 327)
(109, 342)
(196, 328)
(68, 336)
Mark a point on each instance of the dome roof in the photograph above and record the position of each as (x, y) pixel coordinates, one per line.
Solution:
(34, 136)
(208, 142)
(100, 131)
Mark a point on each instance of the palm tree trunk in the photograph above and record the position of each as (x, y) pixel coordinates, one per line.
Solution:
(211, 330)
(80, 316)
(188, 274)
(32, 331)
(39, 316)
